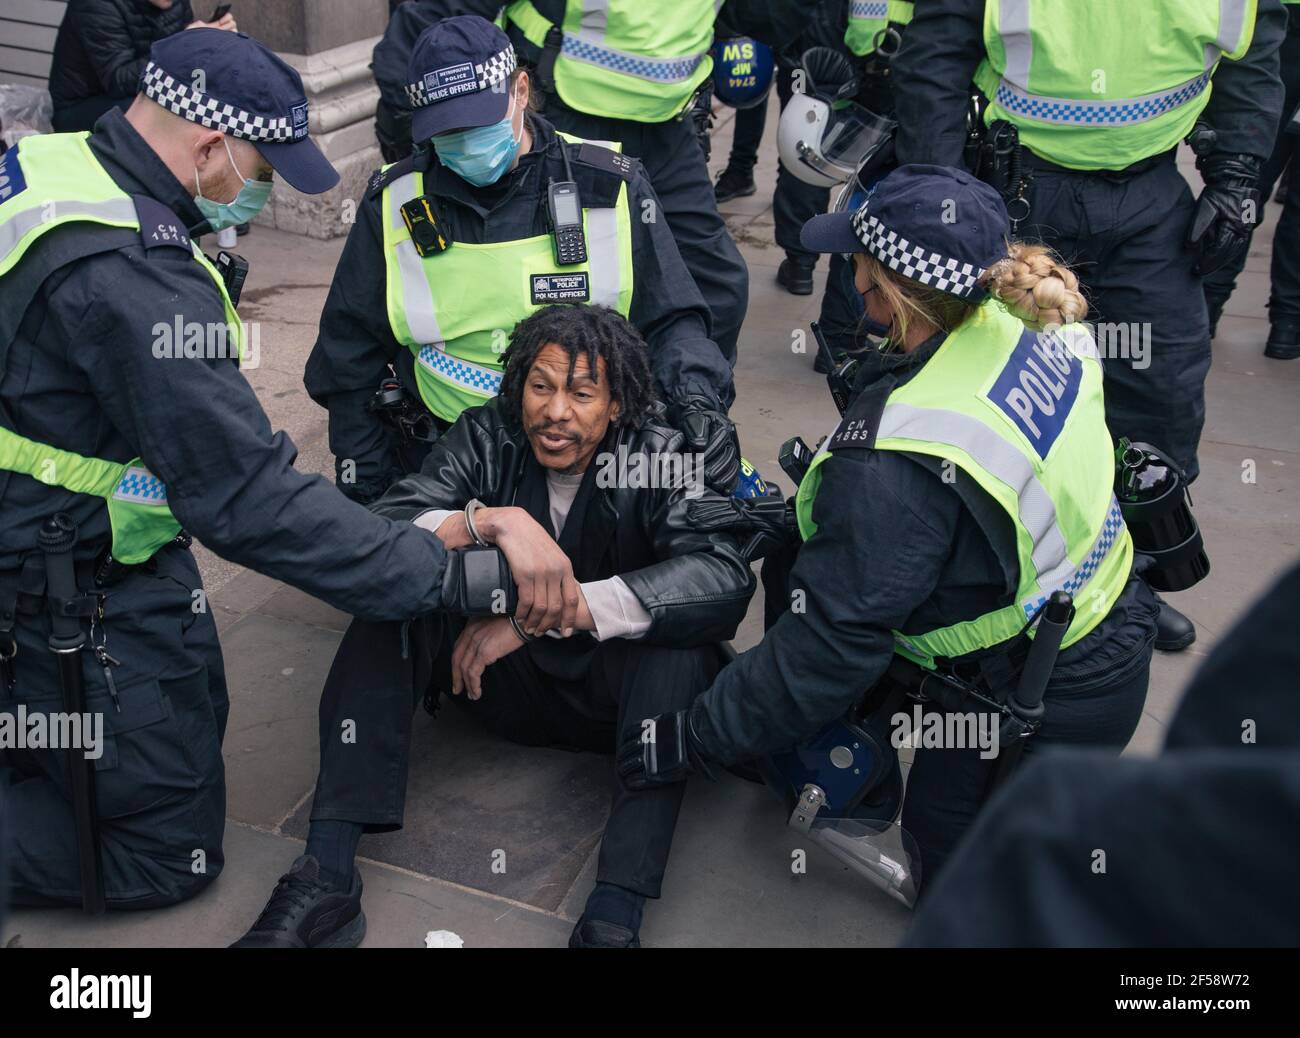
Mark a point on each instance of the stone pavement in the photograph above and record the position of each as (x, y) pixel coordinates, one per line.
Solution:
(730, 881)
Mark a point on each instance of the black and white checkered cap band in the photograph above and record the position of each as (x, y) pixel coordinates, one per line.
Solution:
(197, 107)
(455, 80)
(918, 264)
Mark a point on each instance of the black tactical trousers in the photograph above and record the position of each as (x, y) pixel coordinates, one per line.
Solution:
(363, 779)
(160, 781)
(1124, 236)
(676, 168)
(1284, 297)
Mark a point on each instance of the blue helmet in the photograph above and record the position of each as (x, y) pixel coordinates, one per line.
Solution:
(742, 71)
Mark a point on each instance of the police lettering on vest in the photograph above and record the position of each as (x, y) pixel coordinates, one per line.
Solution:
(1037, 388)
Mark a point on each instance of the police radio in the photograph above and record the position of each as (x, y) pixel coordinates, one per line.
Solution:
(840, 375)
(233, 270)
(564, 211)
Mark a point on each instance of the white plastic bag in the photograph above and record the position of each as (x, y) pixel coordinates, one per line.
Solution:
(24, 110)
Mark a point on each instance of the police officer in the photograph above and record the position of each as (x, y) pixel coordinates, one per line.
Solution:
(456, 244)
(970, 477)
(627, 71)
(1100, 94)
(122, 405)
(1284, 299)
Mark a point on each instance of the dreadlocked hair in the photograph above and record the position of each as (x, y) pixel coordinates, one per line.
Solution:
(579, 330)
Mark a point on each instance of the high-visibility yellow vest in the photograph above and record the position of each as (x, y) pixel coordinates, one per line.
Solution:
(1022, 414)
(454, 310)
(627, 59)
(45, 182)
(869, 18)
(1104, 84)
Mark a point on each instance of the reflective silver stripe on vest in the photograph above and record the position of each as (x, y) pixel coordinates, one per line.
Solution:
(602, 246)
(1232, 19)
(997, 457)
(1017, 42)
(141, 487)
(417, 298)
(12, 231)
(1111, 528)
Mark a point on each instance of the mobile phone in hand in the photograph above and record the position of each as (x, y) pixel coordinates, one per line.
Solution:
(221, 12)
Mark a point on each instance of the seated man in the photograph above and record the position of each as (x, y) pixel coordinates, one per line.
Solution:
(563, 472)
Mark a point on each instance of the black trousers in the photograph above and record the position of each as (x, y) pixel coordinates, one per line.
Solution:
(676, 167)
(747, 137)
(374, 688)
(1284, 297)
(1124, 236)
(160, 781)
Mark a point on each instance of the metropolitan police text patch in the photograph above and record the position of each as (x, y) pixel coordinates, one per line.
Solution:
(448, 82)
(560, 288)
(1038, 387)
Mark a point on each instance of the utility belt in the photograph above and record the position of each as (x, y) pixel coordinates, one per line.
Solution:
(23, 593)
(1037, 162)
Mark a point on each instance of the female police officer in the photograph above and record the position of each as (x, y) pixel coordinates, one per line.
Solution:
(970, 477)
(457, 243)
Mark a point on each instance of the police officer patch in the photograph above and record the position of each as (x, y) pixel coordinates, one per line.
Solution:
(298, 119)
(450, 81)
(560, 288)
(12, 180)
(1037, 388)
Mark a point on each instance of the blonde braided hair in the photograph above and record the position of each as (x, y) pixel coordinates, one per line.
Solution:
(1037, 287)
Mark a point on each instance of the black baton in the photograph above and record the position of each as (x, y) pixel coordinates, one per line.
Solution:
(57, 539)
(1026, 702)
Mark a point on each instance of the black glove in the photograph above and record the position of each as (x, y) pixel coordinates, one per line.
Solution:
(768, 522)
(477, 582)
(710, 432)
(663, 751)
(1226, 212)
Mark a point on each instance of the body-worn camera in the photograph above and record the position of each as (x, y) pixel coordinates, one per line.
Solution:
(396, 408)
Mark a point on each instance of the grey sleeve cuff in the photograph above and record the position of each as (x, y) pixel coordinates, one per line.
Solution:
(617, 611)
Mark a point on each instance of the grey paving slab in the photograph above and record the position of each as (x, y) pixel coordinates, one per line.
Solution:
(485, 813)
(275, 669)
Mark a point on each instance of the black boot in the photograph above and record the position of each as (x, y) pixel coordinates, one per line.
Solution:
(733, 183)
(795, 276)
(1283, 339)
(1174, 631)
(596, 933)
(306, 913)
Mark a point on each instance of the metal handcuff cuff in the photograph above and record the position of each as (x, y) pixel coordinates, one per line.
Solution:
(472, 507)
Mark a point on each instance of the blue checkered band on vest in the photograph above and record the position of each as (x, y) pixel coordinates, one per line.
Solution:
(1062, 110)
(1110, 531)
(140, 486)
(661, 70)
(197, 107)
(495, 70)
(462, 372)
(859, 9)
(914, 261)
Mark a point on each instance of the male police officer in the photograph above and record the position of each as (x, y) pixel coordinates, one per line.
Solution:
(495, 184)
(122, 405)
(626, 71)
(1100, 95)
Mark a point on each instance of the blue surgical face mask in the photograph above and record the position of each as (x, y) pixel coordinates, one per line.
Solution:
(246, 205)
(482, 155)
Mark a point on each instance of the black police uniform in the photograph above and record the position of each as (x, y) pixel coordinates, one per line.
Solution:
(1201, 842)
(899, 547)
(81, 374)
(669, 151)
(356, 344)
(1124, 230)
(1284, 299)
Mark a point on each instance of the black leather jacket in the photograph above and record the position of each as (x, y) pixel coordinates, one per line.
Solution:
(103, 46)
(695, 585)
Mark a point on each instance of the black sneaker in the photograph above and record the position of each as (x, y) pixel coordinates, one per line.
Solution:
(1283, 340)
(596, 933)
(733, 184)
(305, 913)
(795, 277)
